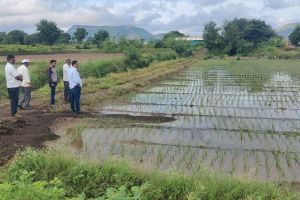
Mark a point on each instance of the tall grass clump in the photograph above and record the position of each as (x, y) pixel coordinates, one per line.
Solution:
(91, 180)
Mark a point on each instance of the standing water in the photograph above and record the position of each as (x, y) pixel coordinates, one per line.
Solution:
(243, 125)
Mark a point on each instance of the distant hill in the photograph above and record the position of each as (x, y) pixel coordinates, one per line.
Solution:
(287, 29)
(130, 32)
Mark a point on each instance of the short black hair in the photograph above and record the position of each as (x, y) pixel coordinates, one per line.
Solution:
(74, 62)
(10, 57)
(52, 61)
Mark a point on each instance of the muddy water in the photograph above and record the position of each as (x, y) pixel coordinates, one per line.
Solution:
(246, 126)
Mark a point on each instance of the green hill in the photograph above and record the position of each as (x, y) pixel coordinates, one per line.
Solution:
(130, 32)
(287, 29)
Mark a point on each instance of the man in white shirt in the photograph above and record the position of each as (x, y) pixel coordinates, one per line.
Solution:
(75, 85)
(26, 85)
(13, 83)
(66, 66)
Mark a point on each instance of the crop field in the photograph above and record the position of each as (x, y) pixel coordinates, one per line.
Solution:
(235, 117)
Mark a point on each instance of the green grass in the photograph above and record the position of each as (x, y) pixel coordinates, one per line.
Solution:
(36, 49)
(74, 178)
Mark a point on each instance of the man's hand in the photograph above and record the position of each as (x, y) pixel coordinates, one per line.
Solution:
(19, 78)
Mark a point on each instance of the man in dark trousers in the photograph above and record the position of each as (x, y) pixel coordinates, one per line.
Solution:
(75, 84)
(13, 83)
(66, 67)
(26, 85)
(52, 77)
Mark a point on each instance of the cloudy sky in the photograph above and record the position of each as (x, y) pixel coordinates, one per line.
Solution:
(188, 16)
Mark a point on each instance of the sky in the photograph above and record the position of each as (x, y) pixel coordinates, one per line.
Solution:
(156, 16)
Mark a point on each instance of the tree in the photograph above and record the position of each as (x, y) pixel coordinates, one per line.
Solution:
(48, 31)
(294, 37)
(100, 37)
(16, 37)
(233, 32)
(64, 38)
(34, 38)
(80, 34)
(2, 37)
(173, 34)
(240, 36)
(212, 38)
(257, 31)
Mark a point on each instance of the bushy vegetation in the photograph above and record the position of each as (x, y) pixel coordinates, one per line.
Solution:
(173, 41)
(44, 175)
(295, 36)
(237, 37)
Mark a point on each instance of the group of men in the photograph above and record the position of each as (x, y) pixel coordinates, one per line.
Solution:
(17, 78)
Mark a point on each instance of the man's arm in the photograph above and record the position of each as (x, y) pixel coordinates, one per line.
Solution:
(15, 74)
(26, 77)
(77, 79)
(49, 75)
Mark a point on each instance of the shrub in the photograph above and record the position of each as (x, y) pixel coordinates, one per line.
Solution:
(95, 180)
(24, 188)
(133, 59)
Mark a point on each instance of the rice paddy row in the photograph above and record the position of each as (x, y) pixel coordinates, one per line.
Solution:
(236, 117)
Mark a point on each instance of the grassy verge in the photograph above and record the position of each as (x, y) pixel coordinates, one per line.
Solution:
(46, 174)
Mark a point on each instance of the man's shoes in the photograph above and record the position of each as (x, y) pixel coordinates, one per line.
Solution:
(78, 113)
(53, 106)
(17, 115)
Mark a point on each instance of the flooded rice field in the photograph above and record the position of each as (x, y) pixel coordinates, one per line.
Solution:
(228, 120)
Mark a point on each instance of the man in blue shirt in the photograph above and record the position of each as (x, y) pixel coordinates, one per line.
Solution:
(75, 84)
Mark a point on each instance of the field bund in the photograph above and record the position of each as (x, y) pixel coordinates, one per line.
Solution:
(240, 118)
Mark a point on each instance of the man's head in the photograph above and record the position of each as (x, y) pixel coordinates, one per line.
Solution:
(75, 63)
(52, 63)
(25, 62)
(11, 59)
(68, 61)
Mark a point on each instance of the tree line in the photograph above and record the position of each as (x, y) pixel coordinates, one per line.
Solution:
(242, 36)
(48, 33)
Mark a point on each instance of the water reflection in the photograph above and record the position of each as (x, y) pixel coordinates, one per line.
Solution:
(234, 123)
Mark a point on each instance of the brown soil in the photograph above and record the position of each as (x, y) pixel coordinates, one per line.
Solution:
(61, 57)
(31, 130)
